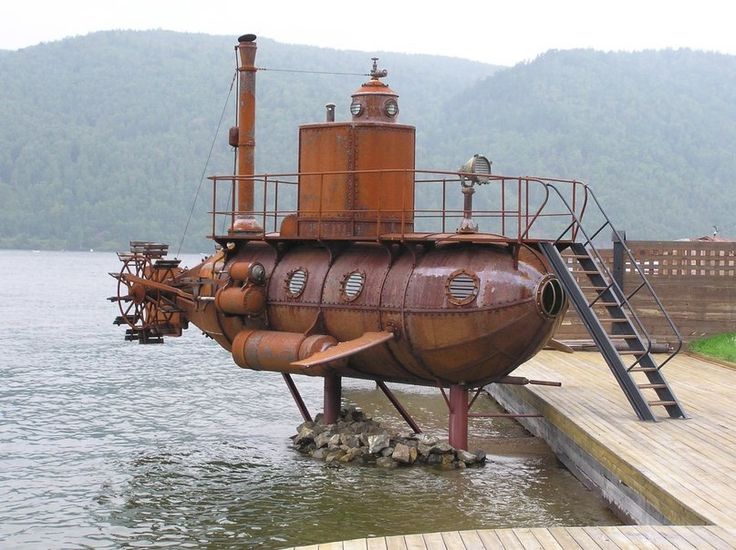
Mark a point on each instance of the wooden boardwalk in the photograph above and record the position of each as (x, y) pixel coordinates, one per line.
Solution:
(556, 538)
(685, 469)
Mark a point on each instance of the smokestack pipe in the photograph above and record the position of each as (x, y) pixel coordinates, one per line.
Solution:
(330, 112)
(246, 132)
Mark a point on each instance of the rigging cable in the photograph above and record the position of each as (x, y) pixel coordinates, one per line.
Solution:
(204, 169)
(311, 72)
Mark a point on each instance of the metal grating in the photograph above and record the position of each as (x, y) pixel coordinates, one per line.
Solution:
(462, 287)
(353, 285)
(296, 282)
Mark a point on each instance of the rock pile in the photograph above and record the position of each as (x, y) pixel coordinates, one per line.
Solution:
(357, 438)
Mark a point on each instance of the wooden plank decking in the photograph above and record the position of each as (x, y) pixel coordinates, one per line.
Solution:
(686, 469)
(614, 538)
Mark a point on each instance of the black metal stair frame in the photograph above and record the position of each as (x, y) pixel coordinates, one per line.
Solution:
(626, 326)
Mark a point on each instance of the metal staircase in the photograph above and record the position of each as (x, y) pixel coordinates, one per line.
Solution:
(610, 318)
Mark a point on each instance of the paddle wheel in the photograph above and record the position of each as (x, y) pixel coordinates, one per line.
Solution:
(143, 297)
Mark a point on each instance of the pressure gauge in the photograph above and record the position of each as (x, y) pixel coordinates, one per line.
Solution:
(391, 108)
(356, 108)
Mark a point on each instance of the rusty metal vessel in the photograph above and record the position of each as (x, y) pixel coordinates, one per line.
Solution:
(357, 281)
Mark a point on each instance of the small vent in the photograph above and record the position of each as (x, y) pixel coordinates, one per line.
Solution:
(462, 288)
(352, 285)
(296, 281)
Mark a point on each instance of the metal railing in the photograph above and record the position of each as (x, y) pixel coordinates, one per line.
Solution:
(643, 286)
(504, 208)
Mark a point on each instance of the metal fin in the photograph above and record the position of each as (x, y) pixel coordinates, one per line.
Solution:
(558, 346)
(345, 349)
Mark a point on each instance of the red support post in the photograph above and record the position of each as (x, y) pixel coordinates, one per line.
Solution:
(459, 417)
(332, 399)
(297, 397)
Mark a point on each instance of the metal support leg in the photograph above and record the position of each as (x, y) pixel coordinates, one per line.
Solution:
(398, 406)
(297, 397)
(459, 417)
(333, 397)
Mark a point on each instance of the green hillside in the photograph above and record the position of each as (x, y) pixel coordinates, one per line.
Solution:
(103, 138)
(653, 132)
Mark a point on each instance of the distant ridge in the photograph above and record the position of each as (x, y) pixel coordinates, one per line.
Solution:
(103, 137)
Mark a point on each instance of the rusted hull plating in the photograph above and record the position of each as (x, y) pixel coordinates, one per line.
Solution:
(472, 333)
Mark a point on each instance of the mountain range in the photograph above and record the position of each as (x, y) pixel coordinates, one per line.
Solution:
(105, 137)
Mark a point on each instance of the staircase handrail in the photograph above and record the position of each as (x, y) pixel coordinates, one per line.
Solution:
(618, 290)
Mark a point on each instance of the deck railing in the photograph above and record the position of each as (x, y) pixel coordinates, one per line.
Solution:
(504, 208)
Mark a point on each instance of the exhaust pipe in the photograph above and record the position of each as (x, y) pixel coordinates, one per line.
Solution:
(246, 138)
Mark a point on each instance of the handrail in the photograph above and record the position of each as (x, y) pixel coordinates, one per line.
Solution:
(613, 284)
(644, 279)
(518, 202)
(621, 296)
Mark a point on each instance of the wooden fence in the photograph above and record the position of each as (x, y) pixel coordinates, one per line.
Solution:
(695, 280)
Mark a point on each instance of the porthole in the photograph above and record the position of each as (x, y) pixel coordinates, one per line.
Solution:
(296, 282)
(356, 109)
(550, 297)
(391, 108)
(352, 285)
(462, 287)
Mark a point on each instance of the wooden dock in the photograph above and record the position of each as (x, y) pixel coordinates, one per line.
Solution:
(679, 473)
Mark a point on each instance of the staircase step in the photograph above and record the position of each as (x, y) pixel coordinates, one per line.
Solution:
(586, 272)
(598, 288)
(623, 336)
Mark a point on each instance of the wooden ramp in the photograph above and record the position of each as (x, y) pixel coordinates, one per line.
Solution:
(684, 471)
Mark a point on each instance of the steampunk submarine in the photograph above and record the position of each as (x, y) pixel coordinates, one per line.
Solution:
(345, 285)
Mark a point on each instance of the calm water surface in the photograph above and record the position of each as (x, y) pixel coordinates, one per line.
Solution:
(105, 443)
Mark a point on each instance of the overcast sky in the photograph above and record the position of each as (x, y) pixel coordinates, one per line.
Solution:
(502, 32)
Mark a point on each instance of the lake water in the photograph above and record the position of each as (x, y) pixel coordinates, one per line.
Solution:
(110, 444)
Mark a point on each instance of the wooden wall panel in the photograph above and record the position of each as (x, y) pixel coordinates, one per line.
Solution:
(695, 280)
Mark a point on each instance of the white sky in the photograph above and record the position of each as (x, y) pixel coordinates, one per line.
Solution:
(502, 32)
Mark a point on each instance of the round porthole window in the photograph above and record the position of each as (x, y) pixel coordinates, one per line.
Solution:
(550, 297)
(391, 108)
(352, 285)
(296, 282)
(462, 287)
(356, 109)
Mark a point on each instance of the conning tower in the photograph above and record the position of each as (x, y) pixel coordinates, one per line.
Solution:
(356, 178)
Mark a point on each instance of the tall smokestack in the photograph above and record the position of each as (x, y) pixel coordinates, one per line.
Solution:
(246, 133)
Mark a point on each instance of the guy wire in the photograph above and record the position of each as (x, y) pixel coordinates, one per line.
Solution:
(204, 169)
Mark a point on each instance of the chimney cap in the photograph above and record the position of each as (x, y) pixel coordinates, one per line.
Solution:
(247, 38)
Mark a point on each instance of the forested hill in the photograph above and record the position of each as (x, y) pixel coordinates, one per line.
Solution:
(103, 138)
(653, 132)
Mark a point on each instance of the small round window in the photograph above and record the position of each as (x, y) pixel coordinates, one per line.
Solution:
(391, 108)
(550, 297)
(296, 281)
(462, 287)
(352, 285)
(356, 109)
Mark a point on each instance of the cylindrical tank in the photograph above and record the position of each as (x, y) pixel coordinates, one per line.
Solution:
(275, 351)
